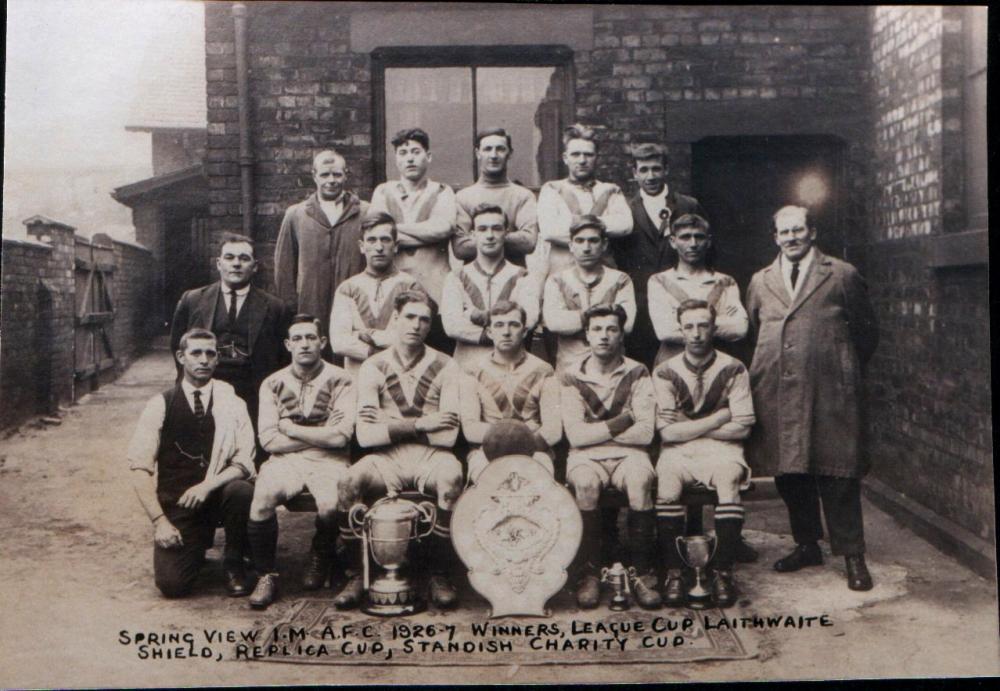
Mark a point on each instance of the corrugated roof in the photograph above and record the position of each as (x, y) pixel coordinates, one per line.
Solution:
(172, 90)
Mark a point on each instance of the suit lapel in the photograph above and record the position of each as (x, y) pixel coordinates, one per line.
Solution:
(775, 284)
(204, 314)
(256, 309)
(314, 211)
(817, 274)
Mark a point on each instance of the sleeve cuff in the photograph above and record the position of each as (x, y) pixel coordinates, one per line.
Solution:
(400, 431)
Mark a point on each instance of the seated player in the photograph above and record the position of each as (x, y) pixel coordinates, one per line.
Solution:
(570, 292)
(692, 279)
(191, 458)
(363, 303)
(306, 422)
(704, 412)
(510, 383)
(470, 292)
(608, 413)
(408, 414)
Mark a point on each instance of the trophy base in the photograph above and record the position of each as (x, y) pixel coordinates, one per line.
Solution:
(392, 601)
(617, 605)
(699, 601)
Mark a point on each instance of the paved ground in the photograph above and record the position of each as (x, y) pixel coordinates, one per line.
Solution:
(76, 572)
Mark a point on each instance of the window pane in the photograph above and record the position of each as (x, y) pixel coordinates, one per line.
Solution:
(526, 102)
(438, 100)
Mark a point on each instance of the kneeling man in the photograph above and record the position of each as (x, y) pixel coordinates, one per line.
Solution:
(408, 413)
(191, 456)
(704, 412)
(607, 411)
(306, 422)
(510, 383)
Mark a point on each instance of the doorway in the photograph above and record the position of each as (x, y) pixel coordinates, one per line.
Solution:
(742, 181)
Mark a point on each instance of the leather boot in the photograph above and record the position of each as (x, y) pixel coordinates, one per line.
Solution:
(265, 592)
(858, 577)
(802, 556)
(674, 589)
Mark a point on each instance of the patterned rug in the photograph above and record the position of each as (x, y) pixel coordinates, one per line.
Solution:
(316, 633)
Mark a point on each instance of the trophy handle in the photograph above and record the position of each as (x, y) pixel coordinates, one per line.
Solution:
(715, 546)
(604, 575)
(356, 522)
(679, 540)
(428, 514)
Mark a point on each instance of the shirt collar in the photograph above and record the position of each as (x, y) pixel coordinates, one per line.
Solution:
(417, 191)
(240, 292)
(381, 277)
(500, 267)
(661, 197)
(803, 263)
(312, 375)
(517, 363)
(699, 370)
(416, 361)
(709, 277)
(585, 184)
(190, 388)
(613, 374)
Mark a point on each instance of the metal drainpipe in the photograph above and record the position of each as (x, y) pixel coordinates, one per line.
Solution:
(243, 101)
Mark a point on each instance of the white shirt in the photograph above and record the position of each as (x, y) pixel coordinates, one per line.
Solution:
(332, 209)
(786, 272)
(241, 296)
(654, 205)
(206, 393)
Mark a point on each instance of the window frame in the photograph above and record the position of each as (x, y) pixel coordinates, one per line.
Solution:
(558, 56)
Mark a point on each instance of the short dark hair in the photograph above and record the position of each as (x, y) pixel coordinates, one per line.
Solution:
(194, 334)
(378, 218)
(305, 318)
(408, 296)
(505, 306)
(688, 305)
(228, 238)
(494, 132)
(578, 131)
(488, 208)
(689, 221)
(648, 150)
(587, 221)
(415, 134)
(605, 310)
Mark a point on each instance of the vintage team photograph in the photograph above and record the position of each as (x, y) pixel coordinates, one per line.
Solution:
(494, 343)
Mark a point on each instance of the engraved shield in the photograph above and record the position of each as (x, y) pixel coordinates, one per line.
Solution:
(516, 530)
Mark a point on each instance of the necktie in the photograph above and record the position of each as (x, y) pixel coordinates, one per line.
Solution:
(795, 274)
(199, 409)
(699, 379)
(232, 307)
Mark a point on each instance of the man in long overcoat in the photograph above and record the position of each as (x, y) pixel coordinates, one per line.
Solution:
(815, 330)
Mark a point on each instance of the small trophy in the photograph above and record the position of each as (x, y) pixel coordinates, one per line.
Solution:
(697, 551)
(618, 577)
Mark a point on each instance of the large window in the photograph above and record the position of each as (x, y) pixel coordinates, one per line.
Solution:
(452, 93)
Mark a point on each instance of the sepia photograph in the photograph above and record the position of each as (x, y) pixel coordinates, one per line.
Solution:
(353, 343)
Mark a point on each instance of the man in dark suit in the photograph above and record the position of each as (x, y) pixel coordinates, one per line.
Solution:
(249, 323)
(646, 250)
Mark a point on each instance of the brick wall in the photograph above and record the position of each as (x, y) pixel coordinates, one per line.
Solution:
(38, 317)
(930, 396)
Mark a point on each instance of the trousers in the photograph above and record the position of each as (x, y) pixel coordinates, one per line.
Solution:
(841, 500)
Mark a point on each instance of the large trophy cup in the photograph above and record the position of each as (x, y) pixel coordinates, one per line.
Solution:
(386, 531)
(697, 551)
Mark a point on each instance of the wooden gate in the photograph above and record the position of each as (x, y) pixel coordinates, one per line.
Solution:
(93, 353)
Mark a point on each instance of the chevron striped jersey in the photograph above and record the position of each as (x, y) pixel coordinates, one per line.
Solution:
(527, 391)
(403, 392)
(473, 288)
(568, 296)
(364, 302)
(724, 382)
(590, 399)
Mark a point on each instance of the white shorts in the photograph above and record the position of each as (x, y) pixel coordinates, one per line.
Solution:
(616, 467)
(288, 474)
(477, 463)
(712, 463)
(409, 466)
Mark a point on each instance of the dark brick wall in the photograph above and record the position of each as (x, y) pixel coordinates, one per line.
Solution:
(39, 307)
(930, 421)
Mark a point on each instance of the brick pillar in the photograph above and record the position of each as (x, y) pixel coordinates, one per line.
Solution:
(58, 278)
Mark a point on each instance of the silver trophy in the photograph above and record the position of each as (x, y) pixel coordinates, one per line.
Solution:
(386, 531)
(618, 578)
(697, 551)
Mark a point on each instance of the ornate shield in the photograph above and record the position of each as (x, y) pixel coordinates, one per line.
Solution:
(516, 530)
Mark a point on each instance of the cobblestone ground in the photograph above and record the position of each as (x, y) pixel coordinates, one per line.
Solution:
(77, 571)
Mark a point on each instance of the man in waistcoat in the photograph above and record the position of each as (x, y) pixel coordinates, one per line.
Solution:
(191, 457)
(318, 240)
(249, 323)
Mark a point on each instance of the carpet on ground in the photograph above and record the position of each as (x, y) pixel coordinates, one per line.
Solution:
(316, 633)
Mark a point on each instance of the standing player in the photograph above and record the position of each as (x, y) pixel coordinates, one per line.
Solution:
(493, 152)
(510, 383)
(363, 303)
(608, 413)
(470, 293)
(569, 293)
(408, 415)
(704, 412)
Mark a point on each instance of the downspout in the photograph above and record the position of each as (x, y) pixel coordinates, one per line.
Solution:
(243, 104)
